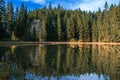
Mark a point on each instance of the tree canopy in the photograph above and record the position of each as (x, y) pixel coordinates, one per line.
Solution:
(58, 24)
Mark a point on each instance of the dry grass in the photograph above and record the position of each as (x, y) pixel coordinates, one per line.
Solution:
(55, 43)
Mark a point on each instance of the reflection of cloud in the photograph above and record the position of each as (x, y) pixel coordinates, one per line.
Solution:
(92, 76)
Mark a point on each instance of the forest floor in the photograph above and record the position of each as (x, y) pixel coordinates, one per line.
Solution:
(55, 43)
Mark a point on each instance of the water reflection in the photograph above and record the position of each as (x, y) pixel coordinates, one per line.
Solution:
(60, 62)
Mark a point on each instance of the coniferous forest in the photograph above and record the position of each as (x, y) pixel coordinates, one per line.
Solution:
(58, 24)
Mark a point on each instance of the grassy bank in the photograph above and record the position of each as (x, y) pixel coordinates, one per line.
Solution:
(54, 43)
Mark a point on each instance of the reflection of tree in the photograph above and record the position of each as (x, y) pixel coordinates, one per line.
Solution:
(22, 57)
(42, 53)
(51, 60)
(106, 60)
(20, 61)
(70, 59)
(77, 60)
(4, 66)
(58, 60)
(37, 57)
(14, 61)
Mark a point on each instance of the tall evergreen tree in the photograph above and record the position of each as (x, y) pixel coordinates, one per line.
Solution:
(1, 12)
(80, 27)
(21, 28)
(65, 26)
(16, 14)
(16, 22)
(98, 25)
(3, 30)
(10, 16)
(59, 26)
(71, 25)
(43, 32)
(105, 26)
(106, 5)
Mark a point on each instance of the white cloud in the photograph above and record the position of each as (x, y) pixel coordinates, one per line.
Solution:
(93, 5)
(36, 1)
(87, 5)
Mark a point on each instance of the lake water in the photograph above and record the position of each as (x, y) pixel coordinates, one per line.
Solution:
(59, 62)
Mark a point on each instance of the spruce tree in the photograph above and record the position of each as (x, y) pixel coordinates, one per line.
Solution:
(22, 20)
(3, 30)
(10, 18)
(59, 26)
(43, 30)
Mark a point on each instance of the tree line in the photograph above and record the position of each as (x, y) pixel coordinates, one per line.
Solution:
(59, 61)
(59, 24)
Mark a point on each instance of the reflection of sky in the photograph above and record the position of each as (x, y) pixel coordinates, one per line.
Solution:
(92, 76)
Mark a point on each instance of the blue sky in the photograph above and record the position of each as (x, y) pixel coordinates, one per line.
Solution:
(87, 5)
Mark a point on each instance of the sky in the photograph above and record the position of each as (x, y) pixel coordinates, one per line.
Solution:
(87, 5)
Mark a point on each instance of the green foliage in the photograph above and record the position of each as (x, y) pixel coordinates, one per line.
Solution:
(10, 15)
(72, 40)
(21, 29)
(58, 24)
(43, 33)
(106, 5)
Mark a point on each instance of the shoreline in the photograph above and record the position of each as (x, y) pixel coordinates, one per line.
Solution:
(55, 43)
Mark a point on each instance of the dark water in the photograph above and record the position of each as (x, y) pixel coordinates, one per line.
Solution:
(59, 62)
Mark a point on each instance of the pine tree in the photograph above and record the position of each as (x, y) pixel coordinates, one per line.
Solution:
(65, 26)
(71, 28)
(50, 6)
(22, 20)
(85, 31)
(3, 30)
(59, 26)
(105, 26)
(16, 22)
(1, 12)
(80, 27)
(98, 25)
(68, 30)
(16, 14)
(10, 18)
(2, 3)
(43, 32)
(106, 5)
(94, 31)
(117, 38)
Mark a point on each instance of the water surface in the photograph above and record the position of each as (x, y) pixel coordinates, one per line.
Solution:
(60, 62)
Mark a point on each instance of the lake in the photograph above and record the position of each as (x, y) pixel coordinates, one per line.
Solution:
(59, 62)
